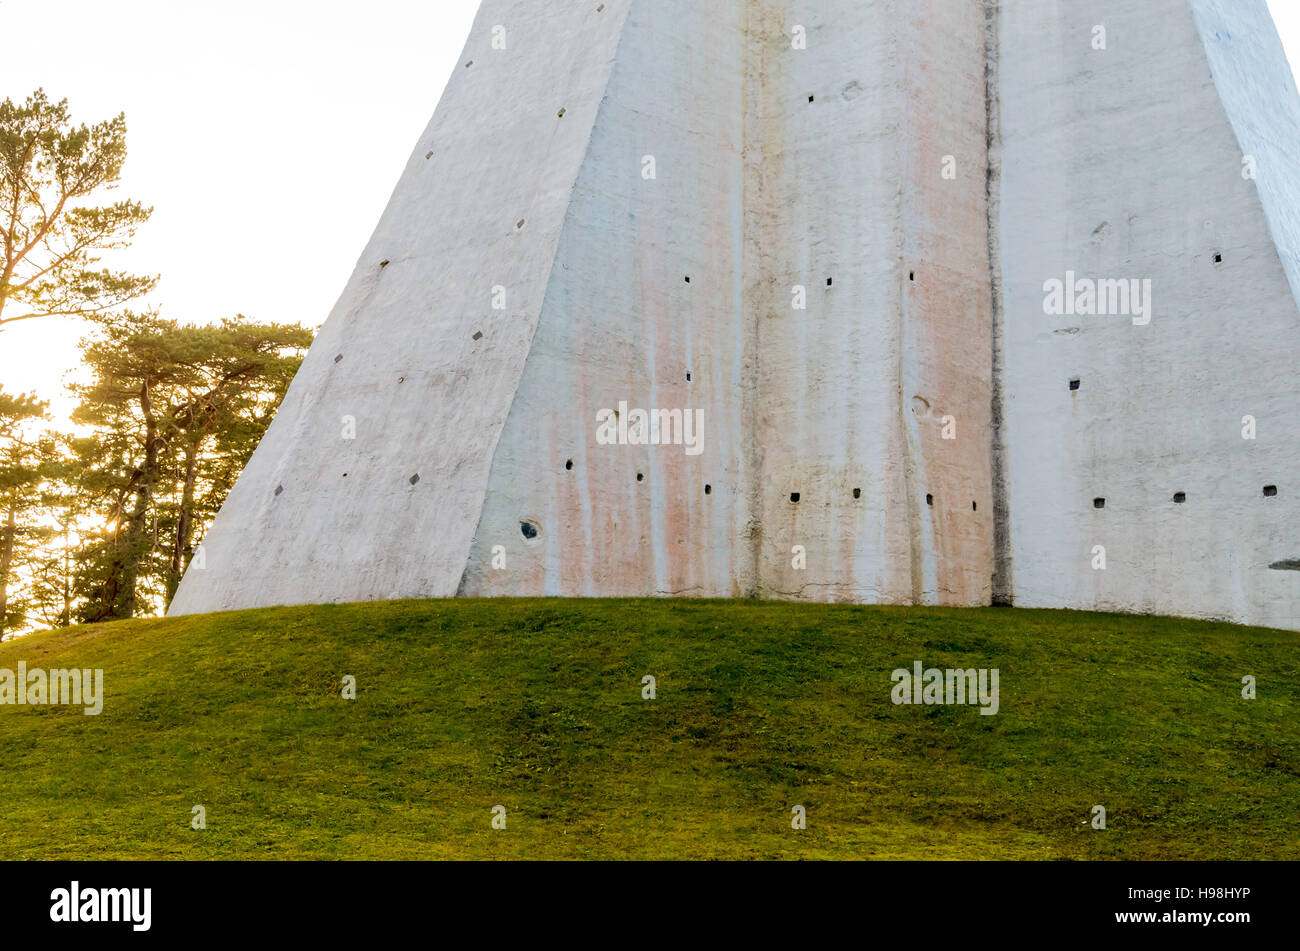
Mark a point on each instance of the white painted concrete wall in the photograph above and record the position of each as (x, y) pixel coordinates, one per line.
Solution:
(1115, 163)
(621, 323)
(758, 190)
(851, 393)
(1126, 163)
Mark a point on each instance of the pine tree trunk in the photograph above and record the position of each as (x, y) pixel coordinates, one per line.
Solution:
(184, 521)
(133, 548)
(66, 618)
(7, 535)
(119, 595)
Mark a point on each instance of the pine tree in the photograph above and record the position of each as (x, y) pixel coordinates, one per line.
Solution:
(20, 476)
(49, 239)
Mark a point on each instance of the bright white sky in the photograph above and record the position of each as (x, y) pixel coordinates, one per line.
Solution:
(267, 134)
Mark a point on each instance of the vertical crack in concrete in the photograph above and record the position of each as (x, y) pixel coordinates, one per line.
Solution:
(754, 88)
(1002, 588)
(911, 505)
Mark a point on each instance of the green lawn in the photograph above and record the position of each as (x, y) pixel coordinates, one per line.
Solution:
(536, 705)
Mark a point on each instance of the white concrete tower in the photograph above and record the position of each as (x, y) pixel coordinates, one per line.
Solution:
(823, 229)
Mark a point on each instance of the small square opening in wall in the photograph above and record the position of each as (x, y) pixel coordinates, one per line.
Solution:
(688, 376)
(828, 282)
(974, 507)
(929, 499)
(1270, 491)
(1218, 258)
(811, 98)
(568, 465)
(1180, 497)
(708, 489)
(688, 279)
(1099, 503)
(640, 477)
(857, 493)
(911, 275)
(794, 496)
(1074, 384)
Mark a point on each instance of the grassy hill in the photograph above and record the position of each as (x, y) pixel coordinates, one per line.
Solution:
(536, 705)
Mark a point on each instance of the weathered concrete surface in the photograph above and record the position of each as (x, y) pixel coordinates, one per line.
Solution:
(621, 323)
(1127, 163)
(774, 168)
(851, 393)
